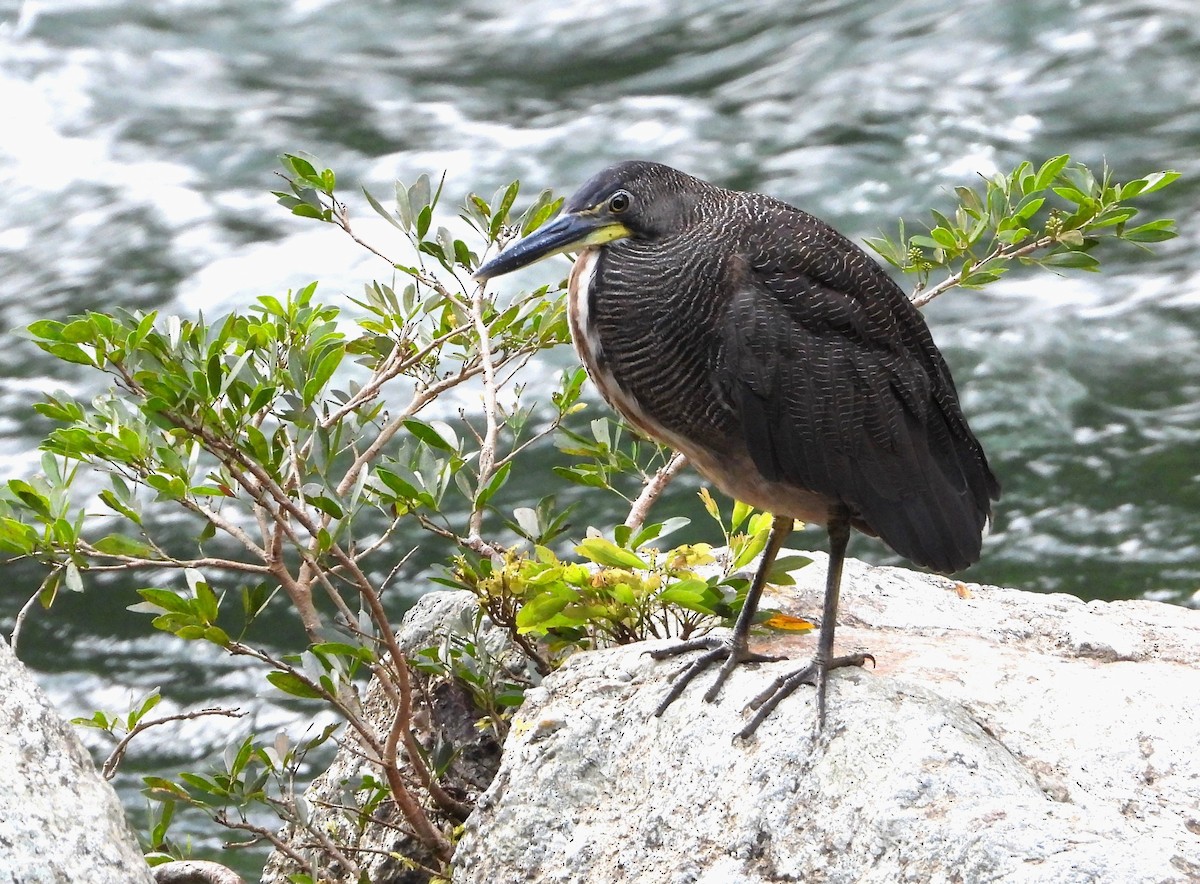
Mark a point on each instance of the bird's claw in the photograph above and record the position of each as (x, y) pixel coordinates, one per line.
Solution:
(814, 673)
(733, 653)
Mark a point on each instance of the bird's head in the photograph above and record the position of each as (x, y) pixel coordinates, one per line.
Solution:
(631, 200)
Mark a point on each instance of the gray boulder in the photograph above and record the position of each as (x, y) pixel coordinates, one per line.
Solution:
(1003, 736)
(60, 821)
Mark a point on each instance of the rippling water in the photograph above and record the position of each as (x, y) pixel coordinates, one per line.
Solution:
(139, 140)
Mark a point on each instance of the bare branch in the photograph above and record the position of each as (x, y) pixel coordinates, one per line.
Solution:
(275, 841)
(15, 638)
(342, 219)
(487, 448)
(133, 563)
(479, 545)
(394, 365)
(109, 769)
(225, 525)
(653, 490)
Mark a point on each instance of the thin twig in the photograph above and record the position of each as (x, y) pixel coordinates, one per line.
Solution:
(342, 216)
(15, 638)
(653, 490)
(394, 365)
(130, 563)
(109, 769)
(479, 545)
(923, 297)
(278, 843)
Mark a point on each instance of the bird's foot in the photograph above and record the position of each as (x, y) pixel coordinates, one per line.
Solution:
(733, 652)
(815, 674)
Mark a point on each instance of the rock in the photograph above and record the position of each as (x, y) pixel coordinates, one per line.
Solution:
(191, 871)
(1003, 736)
(60, 821)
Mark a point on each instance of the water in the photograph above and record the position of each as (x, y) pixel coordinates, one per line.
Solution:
(139, 141)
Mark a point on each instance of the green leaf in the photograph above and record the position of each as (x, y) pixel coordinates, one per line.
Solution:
(511, 697)
(48, 591)
(1072, 195)
(47, 329)
(1155, 231)
(115, 503)
(782, 568)
(536, 612)
(299, 166)
(123, 545)
(1071, 260)
(32, 498)
(206, 601)
(605, 552)
(1029, 207)
(979, 278)
(1156, 181)
(167, 600)
(68, 353)
(943, 238)
(304, 210)
(692, 594)
(327, 505)
(158, 784)
(293, 684)
(546, 209)
(72, 579)
(500, 216)
(1050, 170)
(399, 486)
(497, 481)
(419, 193)
(581, 476)
(375, 204)
(17, 537)
(431, 437)
(655, 530)
(322, 373)
(404, 207)
(741, 512)
(152, 700)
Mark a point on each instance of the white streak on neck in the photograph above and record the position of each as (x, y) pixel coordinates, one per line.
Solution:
(583, 334)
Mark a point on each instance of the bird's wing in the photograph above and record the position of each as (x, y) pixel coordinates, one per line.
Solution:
(836, 394)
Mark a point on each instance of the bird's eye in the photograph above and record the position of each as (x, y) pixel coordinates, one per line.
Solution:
(618, 202)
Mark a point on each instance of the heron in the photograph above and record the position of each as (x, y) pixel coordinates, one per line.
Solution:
(788, 367)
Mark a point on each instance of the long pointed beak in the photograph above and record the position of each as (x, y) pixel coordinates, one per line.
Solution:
(566, 233)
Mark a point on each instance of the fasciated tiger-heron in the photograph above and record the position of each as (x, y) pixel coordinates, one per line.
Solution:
(788, 367)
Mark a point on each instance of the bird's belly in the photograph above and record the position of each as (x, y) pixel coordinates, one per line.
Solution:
(737, 476)
(732, 471)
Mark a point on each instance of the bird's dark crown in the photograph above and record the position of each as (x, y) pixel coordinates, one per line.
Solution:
(649, 198)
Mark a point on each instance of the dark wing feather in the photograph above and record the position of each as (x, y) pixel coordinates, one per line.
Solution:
(840, 390)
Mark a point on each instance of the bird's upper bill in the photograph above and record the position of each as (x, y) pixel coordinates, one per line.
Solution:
(569, 232)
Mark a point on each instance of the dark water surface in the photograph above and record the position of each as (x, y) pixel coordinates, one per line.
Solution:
(138, 141)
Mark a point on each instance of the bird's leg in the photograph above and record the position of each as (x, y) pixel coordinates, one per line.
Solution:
(736, 649)
(817, 671)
